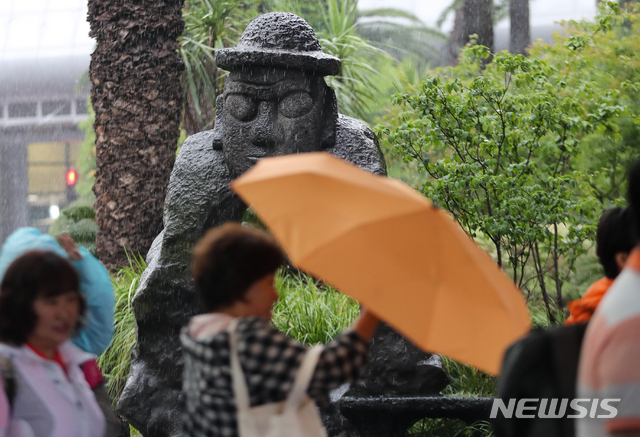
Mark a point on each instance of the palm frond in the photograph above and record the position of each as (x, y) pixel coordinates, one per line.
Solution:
(500, 10)
(209, 25)
(402, 34)
(402, 41)
(453, 6)
(390, 13)
(355, 85)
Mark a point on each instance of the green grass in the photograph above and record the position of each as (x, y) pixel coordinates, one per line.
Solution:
(449, 428)
(115, 361)
(309, 312)
(315, 313)
(467, 380)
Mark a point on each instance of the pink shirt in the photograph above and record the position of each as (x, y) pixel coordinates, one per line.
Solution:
(610, 357)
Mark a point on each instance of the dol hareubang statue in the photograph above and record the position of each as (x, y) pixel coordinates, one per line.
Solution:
(275, 102)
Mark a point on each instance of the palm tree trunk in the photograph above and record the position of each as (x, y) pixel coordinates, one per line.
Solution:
(136, 94)
(520, 37)
(478, 20)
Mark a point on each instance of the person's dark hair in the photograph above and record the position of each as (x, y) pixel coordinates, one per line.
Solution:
(228, 260)
(633, 197)
(32, 275)
(614, 235)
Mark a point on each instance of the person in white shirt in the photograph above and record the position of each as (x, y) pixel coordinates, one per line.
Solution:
(41, 308)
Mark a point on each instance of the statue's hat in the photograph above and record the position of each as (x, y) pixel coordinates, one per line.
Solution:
(282, 40)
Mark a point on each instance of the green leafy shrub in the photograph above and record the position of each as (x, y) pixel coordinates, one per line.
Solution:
(79, 212)
(87, 159)
(602, 56)
(501, 145)
(78, 220)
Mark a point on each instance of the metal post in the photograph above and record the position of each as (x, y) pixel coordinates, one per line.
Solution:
(14, 187)
(71, 189)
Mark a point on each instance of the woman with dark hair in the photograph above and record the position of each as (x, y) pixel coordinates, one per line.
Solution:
(239, 371)
(41, 308)
(614, 242)
(95, 283)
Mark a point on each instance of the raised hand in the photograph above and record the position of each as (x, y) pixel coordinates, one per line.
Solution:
(69, 246)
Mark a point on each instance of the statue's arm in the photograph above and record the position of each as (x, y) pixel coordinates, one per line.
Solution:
(357, 144)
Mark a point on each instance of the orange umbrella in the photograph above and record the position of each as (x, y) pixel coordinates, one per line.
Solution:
(387, 246)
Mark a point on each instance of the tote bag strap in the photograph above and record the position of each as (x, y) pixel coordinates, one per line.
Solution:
(240, 390)
(303, 378)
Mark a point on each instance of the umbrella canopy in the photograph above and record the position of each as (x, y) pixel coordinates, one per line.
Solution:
(387, 246)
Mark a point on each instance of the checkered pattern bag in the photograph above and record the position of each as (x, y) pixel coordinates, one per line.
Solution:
(269, 360)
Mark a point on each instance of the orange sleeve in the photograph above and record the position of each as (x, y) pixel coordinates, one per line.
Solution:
(582, 309)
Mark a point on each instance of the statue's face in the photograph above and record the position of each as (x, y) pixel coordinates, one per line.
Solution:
(270, 112)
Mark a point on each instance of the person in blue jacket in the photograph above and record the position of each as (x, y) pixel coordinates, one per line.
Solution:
(95, 284)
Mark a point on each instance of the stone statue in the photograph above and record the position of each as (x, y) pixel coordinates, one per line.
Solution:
(275, 102)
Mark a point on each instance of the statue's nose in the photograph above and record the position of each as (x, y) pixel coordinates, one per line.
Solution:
(265, 132)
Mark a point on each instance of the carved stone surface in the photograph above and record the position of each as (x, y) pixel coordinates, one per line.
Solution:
(275, 102)
(397, 368)
(197, 198)
(279, 39)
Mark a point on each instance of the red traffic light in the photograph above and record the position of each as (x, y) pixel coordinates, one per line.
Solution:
(72, 177)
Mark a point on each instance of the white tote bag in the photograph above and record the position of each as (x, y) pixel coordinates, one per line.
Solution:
(297, 416)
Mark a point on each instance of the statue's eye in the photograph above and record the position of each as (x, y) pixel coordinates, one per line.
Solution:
(241, 107)
(295, 105)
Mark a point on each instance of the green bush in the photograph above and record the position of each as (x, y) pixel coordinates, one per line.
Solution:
(87, 159)
(520, 150)
(78, 212)
(78, 220)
